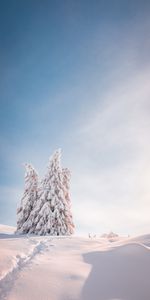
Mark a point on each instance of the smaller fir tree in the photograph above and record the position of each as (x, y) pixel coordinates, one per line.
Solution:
(67, 203)
(28, 200)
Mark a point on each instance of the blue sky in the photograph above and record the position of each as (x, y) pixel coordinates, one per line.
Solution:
(75, 75)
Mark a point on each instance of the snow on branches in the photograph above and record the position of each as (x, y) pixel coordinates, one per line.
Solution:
(46, 207)
(29, 198)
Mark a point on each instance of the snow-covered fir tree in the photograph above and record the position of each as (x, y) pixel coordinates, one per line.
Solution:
(51, 210)
(52, 213)
(67, 203)
(28, 200)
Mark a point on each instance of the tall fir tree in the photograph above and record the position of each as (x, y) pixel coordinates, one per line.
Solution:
(52, 213)
(28, 200)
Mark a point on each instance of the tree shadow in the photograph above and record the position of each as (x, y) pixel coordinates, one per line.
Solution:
(119, 274)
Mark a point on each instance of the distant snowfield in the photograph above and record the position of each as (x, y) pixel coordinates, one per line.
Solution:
(73, 268)
(7, 229)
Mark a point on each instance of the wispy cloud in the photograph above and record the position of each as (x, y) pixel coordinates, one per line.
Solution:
(113, 170)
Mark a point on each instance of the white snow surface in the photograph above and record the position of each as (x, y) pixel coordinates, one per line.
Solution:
(74, 268)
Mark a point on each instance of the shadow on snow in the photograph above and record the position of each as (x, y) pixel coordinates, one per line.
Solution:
(122, 273)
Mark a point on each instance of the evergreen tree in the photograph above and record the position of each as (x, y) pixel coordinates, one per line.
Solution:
(67, 203)
(52, 215)
(28, 200)
(46, 209)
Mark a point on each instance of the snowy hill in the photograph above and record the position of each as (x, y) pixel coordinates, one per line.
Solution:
(5, 229)
(73, 268)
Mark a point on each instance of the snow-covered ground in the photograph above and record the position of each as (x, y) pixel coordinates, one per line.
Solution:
(73, 268)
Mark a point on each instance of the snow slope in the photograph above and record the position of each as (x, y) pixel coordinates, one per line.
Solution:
(73, 268)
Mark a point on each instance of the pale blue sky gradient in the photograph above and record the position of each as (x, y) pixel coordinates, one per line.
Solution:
(75, 75)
